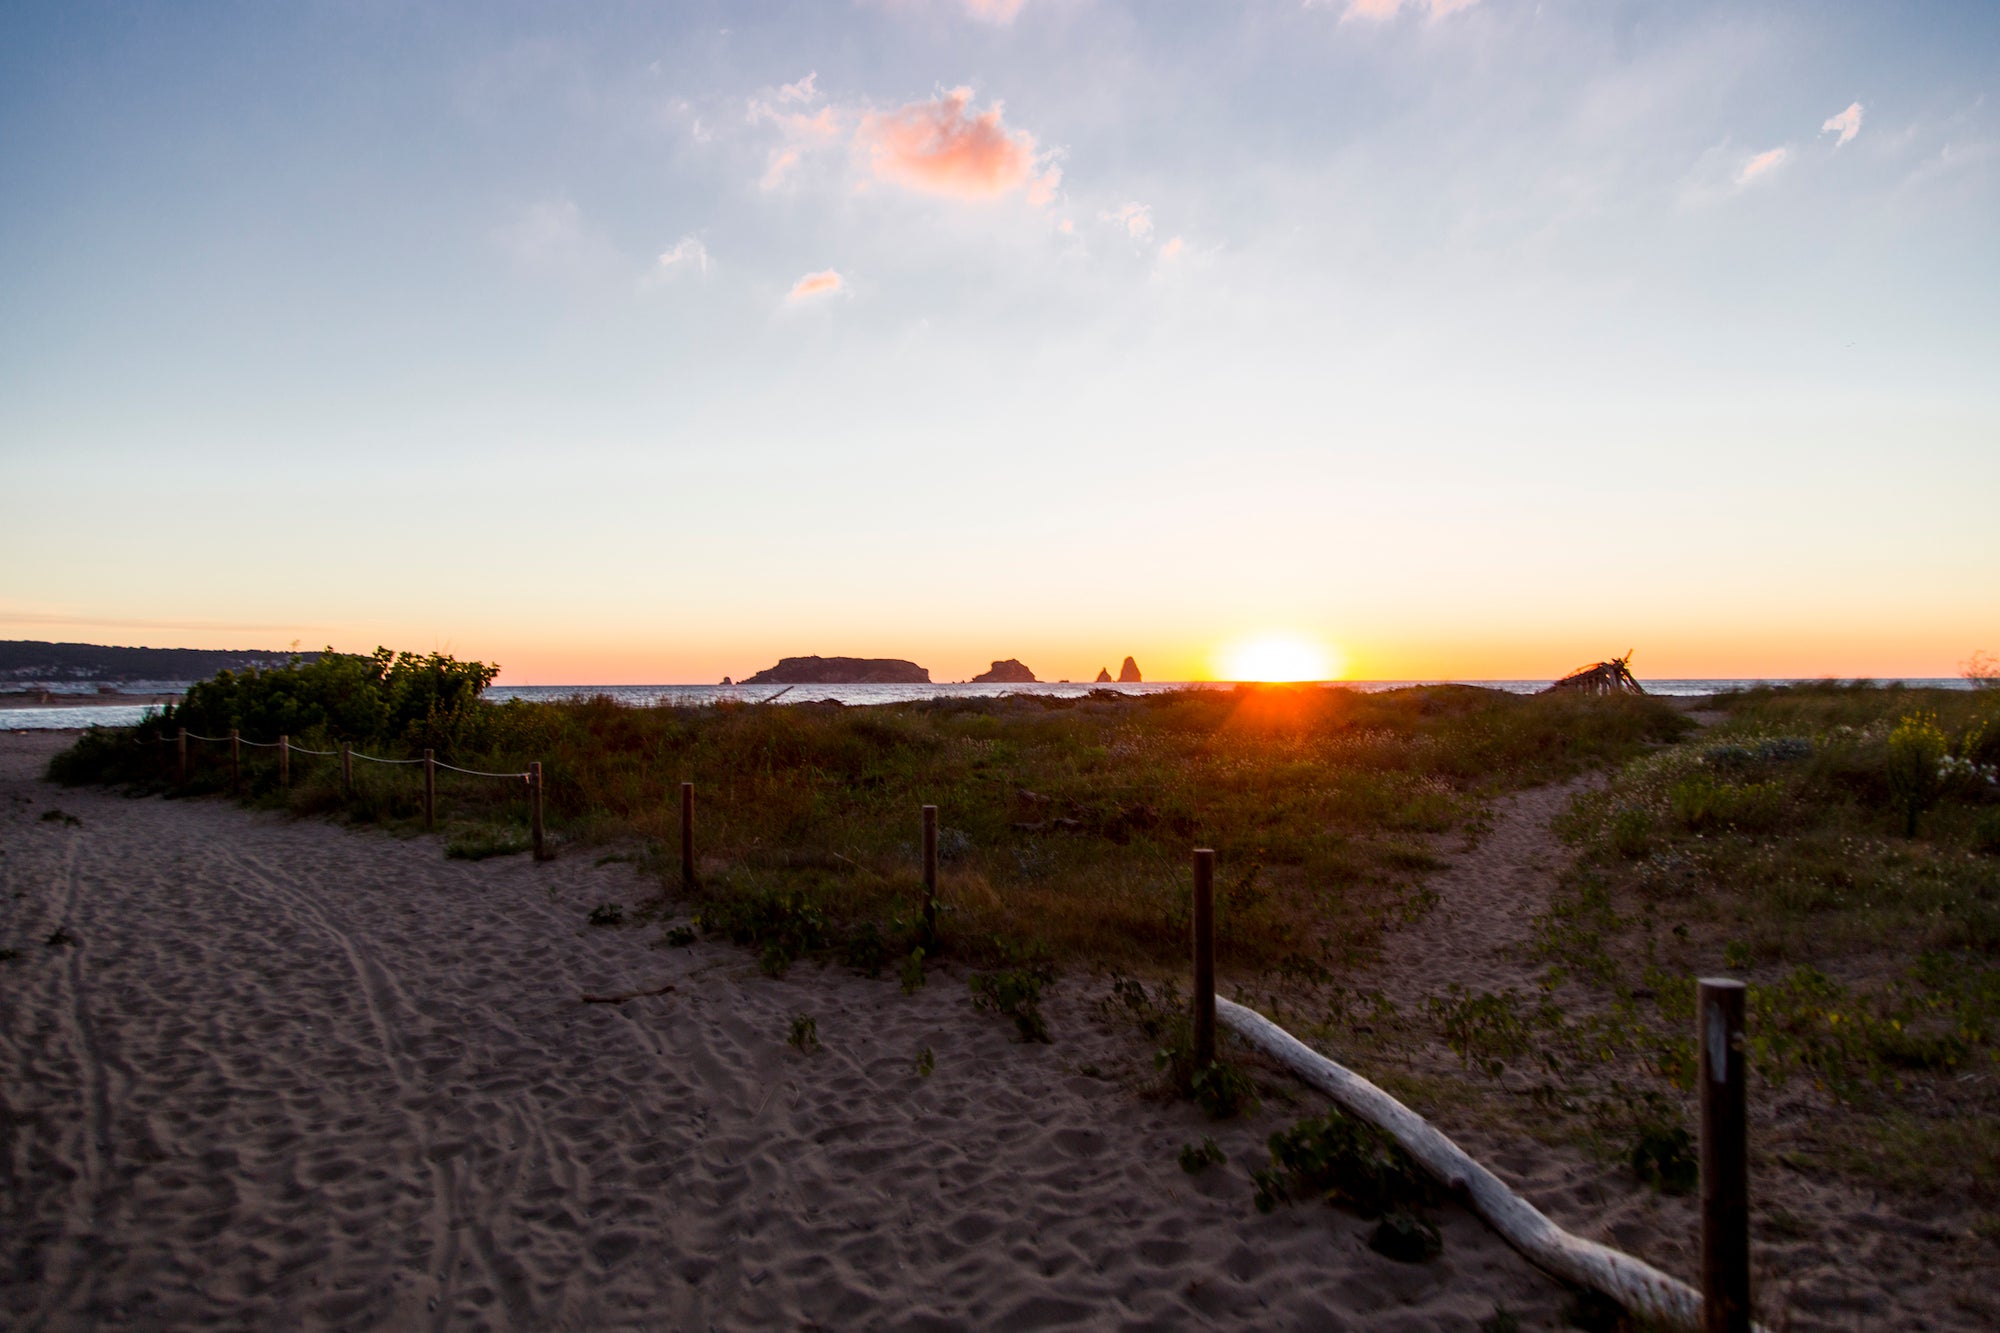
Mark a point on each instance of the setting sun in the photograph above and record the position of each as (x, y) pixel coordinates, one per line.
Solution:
(1279, 658)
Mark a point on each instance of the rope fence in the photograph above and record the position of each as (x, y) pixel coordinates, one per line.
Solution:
(235, 740)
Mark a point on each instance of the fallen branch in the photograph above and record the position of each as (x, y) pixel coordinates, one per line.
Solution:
(1634, 1284)
(623, 996)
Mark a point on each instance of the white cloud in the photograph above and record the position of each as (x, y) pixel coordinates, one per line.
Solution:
(1388, 9)
(1847, 124)
(687, 254)
(802, 91)
(1136, 219)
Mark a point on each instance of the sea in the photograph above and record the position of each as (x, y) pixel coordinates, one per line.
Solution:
(69, 718)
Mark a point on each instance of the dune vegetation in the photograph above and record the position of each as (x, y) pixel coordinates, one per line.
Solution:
(1065, 823)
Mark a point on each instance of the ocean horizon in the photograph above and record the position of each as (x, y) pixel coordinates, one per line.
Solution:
(72, 717)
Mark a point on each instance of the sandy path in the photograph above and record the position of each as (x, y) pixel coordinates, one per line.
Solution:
(298, 1077)
(1478, 932)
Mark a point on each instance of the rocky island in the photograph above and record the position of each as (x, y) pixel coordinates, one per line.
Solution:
(1009, 672)
(841, 671)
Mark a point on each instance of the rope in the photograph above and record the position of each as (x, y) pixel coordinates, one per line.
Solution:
(477, 773)
(356, 754)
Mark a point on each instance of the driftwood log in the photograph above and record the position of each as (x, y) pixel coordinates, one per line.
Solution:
(1613, 677)
(1634, 1284)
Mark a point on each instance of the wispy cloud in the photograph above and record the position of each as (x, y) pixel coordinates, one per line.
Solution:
(1847, 124)
(781, 164)
(994, 11)
(1172, 247)
(687, 254)
(1762, 165)
(551, 237)
(941, 147)
(805, 90)
(813, 285)
(1388, 9)
(1136, 219)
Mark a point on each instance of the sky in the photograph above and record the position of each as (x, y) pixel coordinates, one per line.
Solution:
(635, 343)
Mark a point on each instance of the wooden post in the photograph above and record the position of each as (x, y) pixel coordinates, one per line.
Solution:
(930, 877)
(1725, 1193)
(235, 762)
(181, 754)
(1204, 958)
(346, 770)
(535, 808)
(284, 761)
(430, 790)
(687, 836)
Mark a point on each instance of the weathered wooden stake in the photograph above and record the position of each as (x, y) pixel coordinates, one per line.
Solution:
(284, 761)
(535, 809)
(235, 762)
(930, 877)
(430, 790)
(346, 770)
(1204, 958)
(181, 755)
(1725, 1192)
(687, 836)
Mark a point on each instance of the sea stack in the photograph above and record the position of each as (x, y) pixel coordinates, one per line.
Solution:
(1104, 675)
(1009, 672)
(1129, 673)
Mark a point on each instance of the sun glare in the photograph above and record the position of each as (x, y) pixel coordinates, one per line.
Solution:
(1278, 658)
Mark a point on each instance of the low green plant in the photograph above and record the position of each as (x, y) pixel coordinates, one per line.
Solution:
(1405, 1237)
(926, 1062)
(781, 925)
(1335, 1158)
(1663, 1155)
(679, 937)
(1016, 993)
(805, 1033)
(485, 841)
(1223, 1091)
(913, 971)
(1502, 1320)
(607, 914)
(54, 816)
(1198, 1157)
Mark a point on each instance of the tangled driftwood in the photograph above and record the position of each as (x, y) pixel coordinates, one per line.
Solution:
(1613, 677)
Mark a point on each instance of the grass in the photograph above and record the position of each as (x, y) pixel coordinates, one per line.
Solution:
(1779, 847)
(1066, 823)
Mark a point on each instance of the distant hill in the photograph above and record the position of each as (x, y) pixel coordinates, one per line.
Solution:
(35, 660)
(842, 671)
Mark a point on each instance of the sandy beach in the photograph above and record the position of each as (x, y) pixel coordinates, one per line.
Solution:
(293, 1076)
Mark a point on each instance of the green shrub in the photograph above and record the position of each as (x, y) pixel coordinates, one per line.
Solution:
(1016, 993)
(1339, 1159)
(1916, 751)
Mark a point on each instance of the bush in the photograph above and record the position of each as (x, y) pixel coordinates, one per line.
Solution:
(1016, 993)
(1917, 749)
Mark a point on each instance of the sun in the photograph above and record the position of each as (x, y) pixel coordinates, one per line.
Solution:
(1278, 657)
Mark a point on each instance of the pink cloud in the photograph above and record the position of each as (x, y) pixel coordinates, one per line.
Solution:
(994, 11)
(802, 91)
(823, 283)
(1762, 164)
(938, 148)
(1136, 219)
(1847, 124)
(1388, 9)
(1173, 248)
(781, 164)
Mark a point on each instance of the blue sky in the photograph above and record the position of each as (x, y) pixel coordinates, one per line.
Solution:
(1465, 339)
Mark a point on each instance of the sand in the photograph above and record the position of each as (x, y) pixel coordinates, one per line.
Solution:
(295, 1076)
